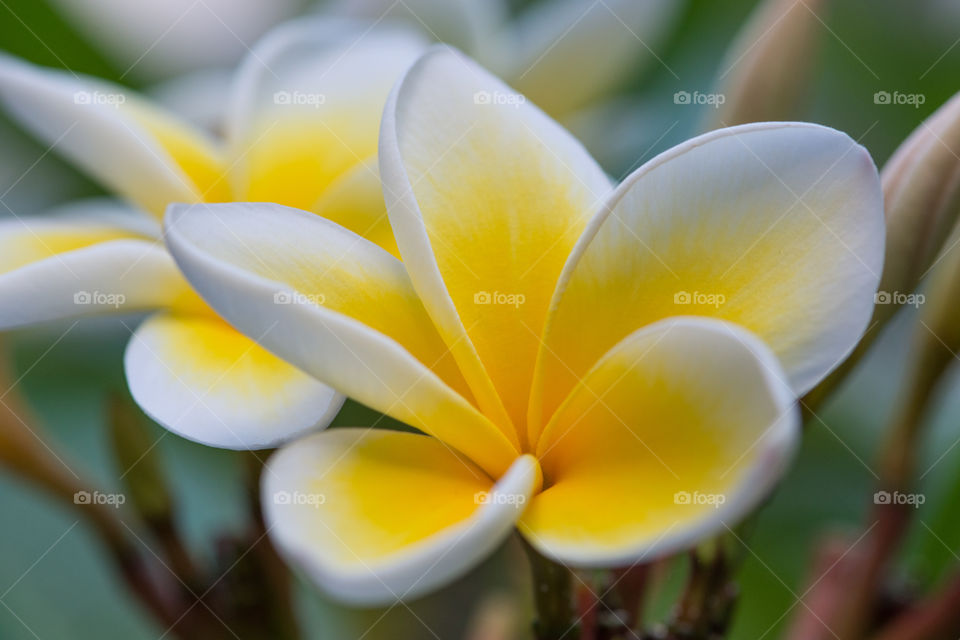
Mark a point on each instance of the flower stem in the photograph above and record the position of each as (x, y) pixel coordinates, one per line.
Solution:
(146, 484)
(277, 599)
(938, 616)
(553, 598)
(23, 452)
(705, 608)
(863, 572)
(891, 520)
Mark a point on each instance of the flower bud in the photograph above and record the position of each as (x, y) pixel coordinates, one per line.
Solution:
(921, 188)
(768, 69)
(134, 448)
(938, 328)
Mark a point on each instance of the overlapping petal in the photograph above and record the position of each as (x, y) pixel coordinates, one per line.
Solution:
(568, 54)
(337, 306)
(205, 381)
(306, 106)
(468, 24)
(486, 197)
(157, 39)
(775, 227)
(85, 259)
(680, 429)
(378, 516)
(142, 153)
(355, 201)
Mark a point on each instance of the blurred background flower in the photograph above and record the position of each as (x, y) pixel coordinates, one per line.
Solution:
(155, 40)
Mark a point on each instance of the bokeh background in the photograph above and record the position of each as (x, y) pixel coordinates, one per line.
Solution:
(56, 580)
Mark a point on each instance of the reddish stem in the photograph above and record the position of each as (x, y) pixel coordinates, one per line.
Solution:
(938, 617)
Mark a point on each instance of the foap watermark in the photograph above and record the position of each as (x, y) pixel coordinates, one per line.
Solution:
(698, 498)
(99, 97)
(299, 498)
(698, 98)
(295, 297)
(896, 97)
(96, 497)
(485, 497)
(899, 298)
(714, 300)
(101, 298)
(911, 499)
(511, 299)
(299, 99)
(499, 98)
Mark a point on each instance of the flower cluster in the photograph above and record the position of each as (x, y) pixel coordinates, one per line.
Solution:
(611, 369)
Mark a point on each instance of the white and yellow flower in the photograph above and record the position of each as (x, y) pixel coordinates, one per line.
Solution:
(565, 55)
(159, 39)
(569, 56)
(304, 118)
(532, 333)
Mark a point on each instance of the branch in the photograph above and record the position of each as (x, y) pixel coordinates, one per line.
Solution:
(24, 452)
(553, 597)
(937, 617)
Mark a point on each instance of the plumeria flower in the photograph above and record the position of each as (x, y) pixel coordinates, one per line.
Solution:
(305, 109)
(612, 370)
(160, 39)
(564, 55)
(578, 60)
(568, 56)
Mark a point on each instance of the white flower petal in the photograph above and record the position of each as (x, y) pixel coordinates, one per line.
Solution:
(373, 517)
(777, 227)
(566, 54)
(306, 105)
(203, 380)
(142, 153)
(486, 197)
(84, 259)
(153, 39)
(338, 307)
(677, 433)
(467, 24)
